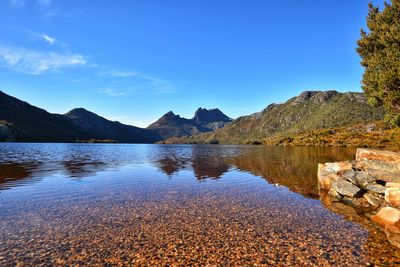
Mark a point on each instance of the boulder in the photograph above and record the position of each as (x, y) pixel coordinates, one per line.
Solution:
(392, 196)
(387, 216)
(371, 159)
(376, 188)
(356, 202)
(364, 178)
(345, 188)
(335, 195)
(328, 173)
(375, 201)
(385, 175)
(351, 176)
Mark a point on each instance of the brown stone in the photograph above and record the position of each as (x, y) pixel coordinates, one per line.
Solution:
(387, 216)
(373, 200)
(384, 175)
(392, 196)
(335, 195)
(387, 161)
(328, 173)
(379, 155)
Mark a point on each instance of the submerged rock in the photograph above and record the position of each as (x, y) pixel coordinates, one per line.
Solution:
(387, 215)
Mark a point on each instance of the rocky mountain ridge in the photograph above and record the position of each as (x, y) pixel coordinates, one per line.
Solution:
(308, 111)
(22, 122)
(204, 120)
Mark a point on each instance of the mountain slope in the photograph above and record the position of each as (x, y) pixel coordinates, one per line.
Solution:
(308, 111)
(101, 128)
(33, 124)
(204, 120)
(212, 119)
(22, 122)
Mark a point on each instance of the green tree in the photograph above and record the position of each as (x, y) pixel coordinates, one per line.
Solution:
(379, 48)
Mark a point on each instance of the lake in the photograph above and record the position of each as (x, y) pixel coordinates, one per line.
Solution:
(117, 204)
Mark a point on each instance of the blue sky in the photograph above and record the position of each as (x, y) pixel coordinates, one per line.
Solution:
(135, 60)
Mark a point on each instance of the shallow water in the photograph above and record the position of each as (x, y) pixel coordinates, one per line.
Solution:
(102, 204)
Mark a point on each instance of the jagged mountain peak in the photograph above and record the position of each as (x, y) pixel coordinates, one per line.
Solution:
(203, 115)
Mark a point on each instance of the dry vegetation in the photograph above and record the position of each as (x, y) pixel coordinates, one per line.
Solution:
(374, 135)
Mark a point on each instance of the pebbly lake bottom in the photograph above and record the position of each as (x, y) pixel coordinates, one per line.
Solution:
(99, 204)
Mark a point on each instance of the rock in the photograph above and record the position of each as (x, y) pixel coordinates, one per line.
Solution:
(387, 216)
(364, 178)
(392, 196)
(335, 195)
(345, 188)
(378, 160)
(356, 202)
(376, 188)
(328, 173)
(350, 175)
(384, 175)
(373, 200)
(341, 166)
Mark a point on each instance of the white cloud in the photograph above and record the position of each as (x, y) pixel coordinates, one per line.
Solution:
(123, 74)
(17, 3)
(48, 39)
(22, 3)
(112, 92)
(139, 81)
(38, 62)
(44, 3)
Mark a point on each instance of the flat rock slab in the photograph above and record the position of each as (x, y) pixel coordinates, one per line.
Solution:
(345, 188)
(376, 188)
(378, 155)
(371, 159)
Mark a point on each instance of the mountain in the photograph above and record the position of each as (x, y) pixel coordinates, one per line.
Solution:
(101, 128)
(212, 119)
(26, 123)
(204, 120)
(309, 111)
(22, 122)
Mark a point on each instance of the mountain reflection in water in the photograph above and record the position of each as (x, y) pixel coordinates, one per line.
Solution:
(292, 167)
(202, 194)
